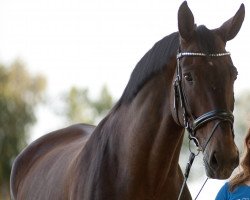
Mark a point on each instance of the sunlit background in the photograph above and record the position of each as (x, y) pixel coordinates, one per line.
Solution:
(89, 44)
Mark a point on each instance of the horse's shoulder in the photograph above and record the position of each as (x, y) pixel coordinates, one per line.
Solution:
(45, 144)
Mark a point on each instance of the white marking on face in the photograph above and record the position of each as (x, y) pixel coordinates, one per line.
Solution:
(211, 63)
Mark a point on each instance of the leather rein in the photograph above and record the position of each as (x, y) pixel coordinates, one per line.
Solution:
(191, 123)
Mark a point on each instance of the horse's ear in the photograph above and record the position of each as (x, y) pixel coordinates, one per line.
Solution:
(231, 27)
(185, 22)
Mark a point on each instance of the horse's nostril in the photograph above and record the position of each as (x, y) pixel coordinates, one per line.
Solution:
(213, 162)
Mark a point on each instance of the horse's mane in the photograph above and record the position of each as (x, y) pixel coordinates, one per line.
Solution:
(158, 56)
(151, 63)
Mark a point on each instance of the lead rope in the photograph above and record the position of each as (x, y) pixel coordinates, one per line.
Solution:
(191, 160)
(201, 188)
(187, 170)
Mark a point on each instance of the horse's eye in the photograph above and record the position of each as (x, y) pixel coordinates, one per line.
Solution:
(188, 77)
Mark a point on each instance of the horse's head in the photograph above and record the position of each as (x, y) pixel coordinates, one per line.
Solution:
(204, 97)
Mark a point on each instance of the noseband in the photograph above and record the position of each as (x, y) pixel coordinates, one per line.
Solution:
(190, 122)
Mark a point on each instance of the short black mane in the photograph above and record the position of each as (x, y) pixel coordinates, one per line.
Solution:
(151, 63)
(158, 56)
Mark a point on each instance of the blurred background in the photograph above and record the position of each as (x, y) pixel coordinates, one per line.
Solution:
(68, 61)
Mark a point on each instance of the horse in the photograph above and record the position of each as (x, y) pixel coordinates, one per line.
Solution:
(184, 81)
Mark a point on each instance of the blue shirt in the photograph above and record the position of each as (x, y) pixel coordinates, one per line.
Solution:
(241, 192)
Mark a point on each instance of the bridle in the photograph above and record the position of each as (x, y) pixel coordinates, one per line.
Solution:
(191, 123)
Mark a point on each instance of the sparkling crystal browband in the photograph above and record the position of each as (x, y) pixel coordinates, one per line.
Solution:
(182, 54)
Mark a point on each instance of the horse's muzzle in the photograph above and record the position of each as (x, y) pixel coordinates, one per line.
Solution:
(221, 167)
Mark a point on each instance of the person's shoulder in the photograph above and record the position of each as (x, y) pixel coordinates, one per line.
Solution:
(226, 186)
(241, 192)
(245, 188)
(223, 193)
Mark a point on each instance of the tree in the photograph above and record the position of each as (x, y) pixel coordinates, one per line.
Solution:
(242, 117)
(79, 107)
(103, 103)
(20, 93)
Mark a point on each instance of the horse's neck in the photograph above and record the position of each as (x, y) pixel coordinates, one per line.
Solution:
(139, 143)
(146, 138)
(152, 139)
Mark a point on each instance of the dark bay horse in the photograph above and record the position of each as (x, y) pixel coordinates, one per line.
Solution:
(133, 153)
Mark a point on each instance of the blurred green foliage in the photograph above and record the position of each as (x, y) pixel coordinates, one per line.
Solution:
(242, 117)
(79, 107)
(20, 93)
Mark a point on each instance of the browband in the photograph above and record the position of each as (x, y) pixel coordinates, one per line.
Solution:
(182, 54)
